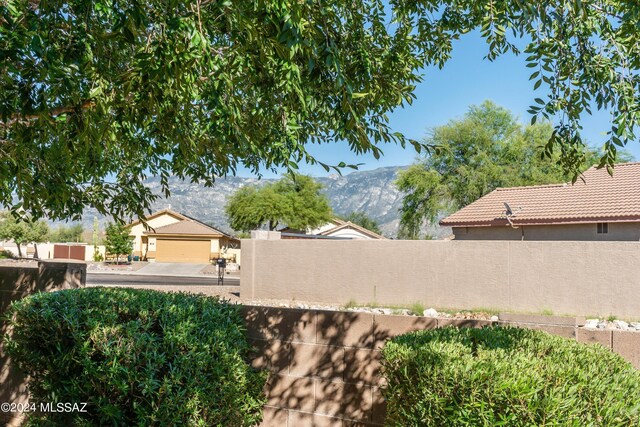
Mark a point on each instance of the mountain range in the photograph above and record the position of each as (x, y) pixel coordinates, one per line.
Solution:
(372, 192)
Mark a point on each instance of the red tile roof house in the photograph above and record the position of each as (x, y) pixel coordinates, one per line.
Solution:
(600, 207)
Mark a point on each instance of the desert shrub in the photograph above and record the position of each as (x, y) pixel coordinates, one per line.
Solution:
(97, 256)
(506, 376)
(5, 254)
(137, 357)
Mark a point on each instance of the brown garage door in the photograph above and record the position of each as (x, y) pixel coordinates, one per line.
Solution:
(196, 251)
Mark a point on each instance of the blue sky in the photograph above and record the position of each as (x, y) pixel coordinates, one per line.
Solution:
(446, 94)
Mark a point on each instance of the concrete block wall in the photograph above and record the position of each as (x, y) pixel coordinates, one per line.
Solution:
(567, 278)
(325, 365)
(15, 284)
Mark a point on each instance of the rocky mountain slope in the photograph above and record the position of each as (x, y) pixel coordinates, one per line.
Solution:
(372, 192)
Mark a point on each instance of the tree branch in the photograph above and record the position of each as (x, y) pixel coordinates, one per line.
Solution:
(18, 118)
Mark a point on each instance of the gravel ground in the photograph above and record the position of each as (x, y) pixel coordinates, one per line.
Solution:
(19, 262)
(231, 293)
(108, 266)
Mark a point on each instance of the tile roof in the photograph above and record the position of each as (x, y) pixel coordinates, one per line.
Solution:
(188, 227)
(597, 198)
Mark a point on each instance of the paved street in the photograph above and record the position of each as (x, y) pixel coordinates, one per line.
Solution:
(172, 269)
(131, 279)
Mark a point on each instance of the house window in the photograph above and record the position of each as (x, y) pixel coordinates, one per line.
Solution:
(603, 228)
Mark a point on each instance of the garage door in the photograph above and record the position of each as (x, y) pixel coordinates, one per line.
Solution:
(196, 251)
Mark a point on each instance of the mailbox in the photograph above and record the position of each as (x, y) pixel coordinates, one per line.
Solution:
(221, 263)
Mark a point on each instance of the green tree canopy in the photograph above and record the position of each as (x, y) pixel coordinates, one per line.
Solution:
(294, 201)
(361, 219)
(23, 230)
(97, 95)
(484, 150)
(73, 233)
(117, 241)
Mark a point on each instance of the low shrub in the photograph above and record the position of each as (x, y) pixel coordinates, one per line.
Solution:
(97, 256)
(506, 377)
(137, 357)
(5, 254)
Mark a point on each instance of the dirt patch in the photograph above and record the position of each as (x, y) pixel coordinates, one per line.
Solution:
(19, 262)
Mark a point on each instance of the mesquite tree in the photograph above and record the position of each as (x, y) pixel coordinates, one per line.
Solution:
(96, 95)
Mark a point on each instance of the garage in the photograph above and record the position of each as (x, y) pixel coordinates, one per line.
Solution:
(179, 250)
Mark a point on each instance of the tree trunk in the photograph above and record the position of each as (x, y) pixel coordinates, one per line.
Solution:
(35, 251)
(19, 250)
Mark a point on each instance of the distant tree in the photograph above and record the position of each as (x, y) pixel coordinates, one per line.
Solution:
(294, 201)
(486, 149)
(97, 256)
(23, 230)
(117, 240)
(361, 219)
(63, 234)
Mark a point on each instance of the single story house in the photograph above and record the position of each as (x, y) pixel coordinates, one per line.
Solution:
(334, 229)
(174, 237)
(597, 207)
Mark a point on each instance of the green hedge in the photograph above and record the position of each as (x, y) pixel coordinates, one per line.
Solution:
(506, 377)
(138, 357)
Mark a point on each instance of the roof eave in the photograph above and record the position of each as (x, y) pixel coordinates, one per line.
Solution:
(183, 235)
(550, 221)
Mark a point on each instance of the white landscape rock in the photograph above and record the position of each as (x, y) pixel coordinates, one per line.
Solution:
(591, 323)
(621, 324)
(430, 312)
(494, 318)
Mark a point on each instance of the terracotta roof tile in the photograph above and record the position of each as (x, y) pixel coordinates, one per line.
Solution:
(599, 198)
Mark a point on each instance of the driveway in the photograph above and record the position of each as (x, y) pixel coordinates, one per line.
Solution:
(171, 269)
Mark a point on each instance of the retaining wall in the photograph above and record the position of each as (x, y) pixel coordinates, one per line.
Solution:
(324, 365)
(16, 283)
(574, 278)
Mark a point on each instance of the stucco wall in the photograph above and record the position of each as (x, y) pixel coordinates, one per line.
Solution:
(578, 278)
(138, 230)
(618, 231)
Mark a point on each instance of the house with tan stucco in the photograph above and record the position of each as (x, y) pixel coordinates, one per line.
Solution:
(173, 237)
(597, 207)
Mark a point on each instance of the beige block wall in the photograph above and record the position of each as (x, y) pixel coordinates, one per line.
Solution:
(90, 251)
(618, 231)
(577, 278)
(325, 365)
(237, 253)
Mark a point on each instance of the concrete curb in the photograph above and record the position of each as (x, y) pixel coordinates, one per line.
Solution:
(135, 273)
